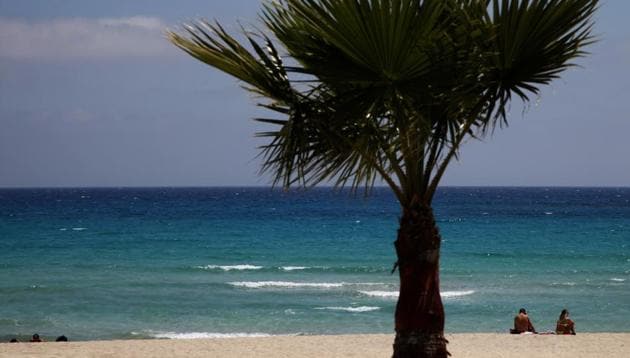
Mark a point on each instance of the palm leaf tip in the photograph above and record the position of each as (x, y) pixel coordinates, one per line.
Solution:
(260, 68)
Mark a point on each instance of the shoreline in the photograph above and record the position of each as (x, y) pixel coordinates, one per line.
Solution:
(467, 345)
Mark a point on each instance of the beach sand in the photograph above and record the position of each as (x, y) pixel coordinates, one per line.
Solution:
(478, 345)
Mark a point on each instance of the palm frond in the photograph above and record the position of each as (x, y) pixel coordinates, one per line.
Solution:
(534, 42)
(209, 43)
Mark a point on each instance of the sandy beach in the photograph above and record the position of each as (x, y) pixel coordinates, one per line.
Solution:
(478, 345)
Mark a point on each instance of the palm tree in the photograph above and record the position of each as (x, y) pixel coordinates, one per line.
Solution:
(368, 90)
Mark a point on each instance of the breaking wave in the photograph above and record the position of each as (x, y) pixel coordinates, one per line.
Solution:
(351, 309)
(394, 294)
(199, 335)
(293, 268)
(285, 284)
(230, 267)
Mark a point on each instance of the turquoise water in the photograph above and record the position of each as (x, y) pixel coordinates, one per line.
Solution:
(211, 262)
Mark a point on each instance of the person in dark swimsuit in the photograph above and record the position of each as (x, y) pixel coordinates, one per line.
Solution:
(522, 323)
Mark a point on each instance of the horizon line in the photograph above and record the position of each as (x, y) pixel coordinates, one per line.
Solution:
(302, 187)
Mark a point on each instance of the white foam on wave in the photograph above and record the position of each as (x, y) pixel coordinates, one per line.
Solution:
(384, 294)
(394, 294)
(449, 294)
(293, 268)
(200, 335)
(79, 228)
(616, 279)
(285, 284)
(351, 309)
(368, 283)
(230, 267)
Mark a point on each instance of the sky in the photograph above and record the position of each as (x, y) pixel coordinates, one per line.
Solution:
(92, 94)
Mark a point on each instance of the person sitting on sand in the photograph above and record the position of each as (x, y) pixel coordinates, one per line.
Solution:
(36, 338)
(62, 339)
(522, 324)
(565, 325)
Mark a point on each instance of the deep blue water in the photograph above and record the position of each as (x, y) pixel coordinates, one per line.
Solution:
(134, 263)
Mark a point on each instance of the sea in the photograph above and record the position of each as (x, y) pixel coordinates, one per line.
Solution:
(131, 263)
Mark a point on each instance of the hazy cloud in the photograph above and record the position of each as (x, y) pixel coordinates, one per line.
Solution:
(83, 38)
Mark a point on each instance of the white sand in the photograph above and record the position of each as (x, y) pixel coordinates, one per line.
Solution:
(483, 345)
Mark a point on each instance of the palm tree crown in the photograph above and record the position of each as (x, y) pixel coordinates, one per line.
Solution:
(390, 88)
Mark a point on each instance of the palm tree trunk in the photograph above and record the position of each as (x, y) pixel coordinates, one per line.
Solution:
(419, 312)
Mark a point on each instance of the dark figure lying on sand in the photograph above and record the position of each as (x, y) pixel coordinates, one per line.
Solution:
(37, 338)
